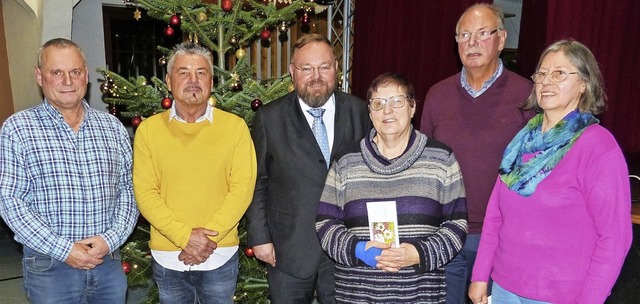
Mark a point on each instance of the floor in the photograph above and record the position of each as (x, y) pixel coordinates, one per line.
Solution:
(10, 271)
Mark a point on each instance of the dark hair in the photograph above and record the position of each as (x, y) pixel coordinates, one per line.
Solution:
(61, 43)
(309, 38)
(393, 79)
(594, 97)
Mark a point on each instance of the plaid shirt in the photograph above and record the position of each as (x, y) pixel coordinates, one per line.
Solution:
(58, 186)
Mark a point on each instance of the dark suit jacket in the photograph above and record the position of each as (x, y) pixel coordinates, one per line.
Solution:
(291, 177)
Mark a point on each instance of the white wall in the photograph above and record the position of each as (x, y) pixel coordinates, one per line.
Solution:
(511, 24)
(56, 19)
(87, 31)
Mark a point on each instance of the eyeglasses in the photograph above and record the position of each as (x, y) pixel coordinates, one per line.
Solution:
(396, 101)
(556, 76)
(481, 35)
(308, 70)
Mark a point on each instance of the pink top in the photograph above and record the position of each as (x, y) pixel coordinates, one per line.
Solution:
(566, 243)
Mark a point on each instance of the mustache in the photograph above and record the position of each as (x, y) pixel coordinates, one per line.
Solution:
(316, 82)
(472, 51)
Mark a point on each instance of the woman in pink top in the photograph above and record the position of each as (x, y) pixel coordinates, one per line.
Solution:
(557, 226)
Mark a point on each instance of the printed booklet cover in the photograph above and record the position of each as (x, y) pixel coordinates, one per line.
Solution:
(383, 222)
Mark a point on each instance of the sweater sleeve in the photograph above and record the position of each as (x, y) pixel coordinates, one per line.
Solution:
(607, 193)
(438, 249)
(426, 125)
(335, 238)
(489, 238)
(241, 181)
(146, 183)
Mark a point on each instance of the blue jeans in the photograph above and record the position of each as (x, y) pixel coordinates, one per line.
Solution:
(502, 296)
(458, 271)
(213, 286)
(47, 280)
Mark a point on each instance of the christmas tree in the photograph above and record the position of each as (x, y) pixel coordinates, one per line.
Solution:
(227, 28)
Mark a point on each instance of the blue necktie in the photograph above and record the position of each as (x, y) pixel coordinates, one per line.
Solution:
(320, 132)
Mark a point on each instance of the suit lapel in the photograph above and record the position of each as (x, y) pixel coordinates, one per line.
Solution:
(299, 122)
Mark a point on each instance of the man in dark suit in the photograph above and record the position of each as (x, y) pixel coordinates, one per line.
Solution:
(292, 170)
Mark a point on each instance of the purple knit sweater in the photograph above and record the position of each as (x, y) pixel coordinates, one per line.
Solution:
(478, 130)
(565, 243)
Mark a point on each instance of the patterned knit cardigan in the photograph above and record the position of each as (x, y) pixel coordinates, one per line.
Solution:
(426, 184)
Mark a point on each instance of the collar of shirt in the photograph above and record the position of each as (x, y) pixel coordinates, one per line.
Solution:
(208, 114)
(328, 117)
(485, 86)
(51, 110)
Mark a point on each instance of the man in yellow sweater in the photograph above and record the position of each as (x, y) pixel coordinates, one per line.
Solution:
(194, 173)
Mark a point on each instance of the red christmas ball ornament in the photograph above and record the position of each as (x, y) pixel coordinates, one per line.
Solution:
(166, 103)
(175, 20)
(305, 19)
(249, 252)
(126, 267)
(265, 34)
(136, 120)
(226, 5)
(169, 31)
(255, 104)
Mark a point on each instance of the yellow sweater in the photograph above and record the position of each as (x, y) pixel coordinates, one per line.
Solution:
(189, 175)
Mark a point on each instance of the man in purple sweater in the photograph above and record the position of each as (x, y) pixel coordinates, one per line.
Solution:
(476, 112)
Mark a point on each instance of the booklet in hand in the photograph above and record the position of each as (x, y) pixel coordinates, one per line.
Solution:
(383, 222)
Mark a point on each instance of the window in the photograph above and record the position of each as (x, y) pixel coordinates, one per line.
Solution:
(131, 45)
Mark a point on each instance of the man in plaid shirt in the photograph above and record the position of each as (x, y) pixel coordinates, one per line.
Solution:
(65, 186)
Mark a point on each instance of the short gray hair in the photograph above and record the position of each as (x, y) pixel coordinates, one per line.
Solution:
(497, 13)
(189, 48)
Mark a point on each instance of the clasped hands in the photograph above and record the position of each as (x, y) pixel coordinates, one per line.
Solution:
(392, 259)
(199, 247)
(88, 253)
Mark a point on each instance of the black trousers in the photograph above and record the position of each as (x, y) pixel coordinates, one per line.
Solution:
(287, 289)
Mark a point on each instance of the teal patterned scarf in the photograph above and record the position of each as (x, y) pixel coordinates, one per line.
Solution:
(549, 148)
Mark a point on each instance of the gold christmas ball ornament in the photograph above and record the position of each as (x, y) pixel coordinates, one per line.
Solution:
(201, 17)
(291, 87)
(212, 101)
(240, 53)
(162, 61)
